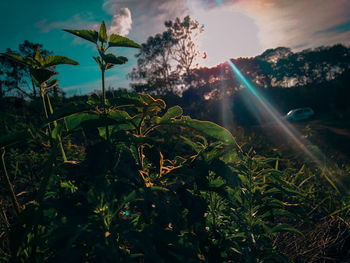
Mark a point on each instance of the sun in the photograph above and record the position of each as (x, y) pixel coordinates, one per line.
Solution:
(226, 34)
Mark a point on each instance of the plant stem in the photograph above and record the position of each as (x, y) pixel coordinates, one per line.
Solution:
(42, 95)
(58, 135)
(44, 105)
(9, 185)
(104, 102)
(103, 91)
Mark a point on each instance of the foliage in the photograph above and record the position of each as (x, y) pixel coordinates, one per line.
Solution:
(143, 183)
(164, 64)
(165, 187)
(41, 73)
(103, 42)
(316, 78)
(15, 77)
(105, 61)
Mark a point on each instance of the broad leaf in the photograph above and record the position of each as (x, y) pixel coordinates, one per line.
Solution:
(51, 61)
(41, 75)
(94, 100)
(109, 66)
(195, 146)
(90, 35)
(17, 58)
(112, 59)
(173, 112)
(150, 101)
(120, 41)
(68, 110)
(33, 62)
(102, 35)
(74, 122)
(119, 116)
(204, 127)
(38, 56)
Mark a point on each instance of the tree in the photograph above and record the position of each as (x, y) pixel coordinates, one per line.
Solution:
(286, 69)
(185, 49)
(12, 77)
(41, 73)
(165, 62)
(15, 77)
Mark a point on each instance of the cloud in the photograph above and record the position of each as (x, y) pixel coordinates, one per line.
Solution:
(121, 22)
(298, 24)
(148, 15)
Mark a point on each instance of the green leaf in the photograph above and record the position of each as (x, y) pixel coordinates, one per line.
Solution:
(69, 185)
(196, 147)
(94, 100)
(17, 58)
(33, 62)
(102, 34)
(38, 57)
(205, 127)
(119, 116)
(173, 112)
(56, 132)
(109, 66)
(68, 110)
(148, 100)
(75, 121)
(120, 41)
(324, 173)
(89, 35)
(112, 59)
(41, 75)
(51, 61)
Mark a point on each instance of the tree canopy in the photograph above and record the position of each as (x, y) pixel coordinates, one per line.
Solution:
(164, 64)
(15, 77)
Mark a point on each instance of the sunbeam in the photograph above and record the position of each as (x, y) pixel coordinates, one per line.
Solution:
(283, 126)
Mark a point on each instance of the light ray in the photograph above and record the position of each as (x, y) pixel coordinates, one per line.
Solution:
(284, 127)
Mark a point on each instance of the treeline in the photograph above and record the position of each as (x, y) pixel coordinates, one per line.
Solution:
(167, 67)
(317, 78)
(123, 177)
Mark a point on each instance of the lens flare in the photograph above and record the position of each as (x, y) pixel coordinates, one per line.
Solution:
(270, 114)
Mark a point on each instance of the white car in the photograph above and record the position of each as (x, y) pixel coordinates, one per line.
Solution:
(299, 114)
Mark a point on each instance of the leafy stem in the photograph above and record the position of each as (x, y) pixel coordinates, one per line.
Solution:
(105, 61)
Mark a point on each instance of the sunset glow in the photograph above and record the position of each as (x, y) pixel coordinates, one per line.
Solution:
(227, 33)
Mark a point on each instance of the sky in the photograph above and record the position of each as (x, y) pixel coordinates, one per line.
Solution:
(232, 28)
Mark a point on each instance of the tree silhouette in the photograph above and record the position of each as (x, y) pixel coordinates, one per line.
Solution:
(165, 62)
(15, 77)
